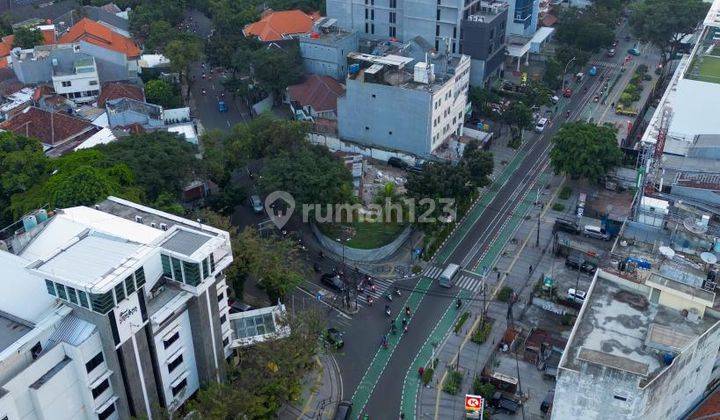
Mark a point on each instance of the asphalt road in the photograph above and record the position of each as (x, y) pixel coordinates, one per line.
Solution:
(385, 399)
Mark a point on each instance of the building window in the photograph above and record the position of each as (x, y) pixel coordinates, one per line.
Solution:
(226, 341)
(454, 31)
(129, 284)
(175, 363)
(453, 48)
(93, 82)
(72, 295)
(436, 45)
(170, 340)
(205, 269)
(82, 297)
(179, 387)
(392, 17)
(367, 13)
(139, 277)
(192, 273)
(223, 319)
(100, 388)
(438, 14)
(50, 287)
(372, 14)
(366, 27)
(392, 32)
(390, 133)
(61, 291)
(67, 84)
(372, 28)
(102, 303)
(119, 292)
(221, 296)
(107, 412)
(620, 398)
(94, 362)
(393, 4)
(437, 30)
(212, 263)
(177, 269)
(167, 268)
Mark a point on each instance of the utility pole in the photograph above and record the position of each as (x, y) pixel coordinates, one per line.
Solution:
(537, 200)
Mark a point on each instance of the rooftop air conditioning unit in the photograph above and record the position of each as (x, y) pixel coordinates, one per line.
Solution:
(163, 226)
(139, 219)
(153, 224)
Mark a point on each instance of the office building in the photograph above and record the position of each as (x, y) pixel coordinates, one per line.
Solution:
(645, 343)
(111, 311)
(438, 22)
(325, 49)
(522, 18)
(398, 103)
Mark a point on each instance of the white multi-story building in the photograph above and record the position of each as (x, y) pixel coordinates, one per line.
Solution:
(112, 312)
(394, 104)
(77, 80)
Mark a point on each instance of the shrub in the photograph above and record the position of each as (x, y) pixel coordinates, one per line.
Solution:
(481, 333)
(461, 321)
(641, 69)
(565, 192)
(515, 143)
(427, 375)
(625, 99)
(567, 320)
(486, 390)
(416, 269)
(647, 78)
(453, 382)
(558, 206)
(504, 294)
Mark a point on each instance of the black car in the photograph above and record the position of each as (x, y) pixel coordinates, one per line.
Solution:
(334, 337)
(565, 225)
(397, 162)
(333, 281)
(578, 262)
(344, 410)
(504, 404)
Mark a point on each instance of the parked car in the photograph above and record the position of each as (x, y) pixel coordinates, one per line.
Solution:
(236, 307)
(332, 281)
(334, 337)
(634, 51)
(568, 226)
(222, 106)
(596, 232)
(578, 262)
(503, 403)
(397, 162)
(611, 52)
(576, 295)
(567, 92)
(554, 99)
(344, 410)
(256, 204)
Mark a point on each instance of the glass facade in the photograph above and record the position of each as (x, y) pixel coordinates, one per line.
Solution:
(129, 284)
(167, 268)
(254, 325)
(61, 291)
(212, 263)
(177, 269)
(50, 287)
(119, 291)
(72, 295)
(82, 297)
(139, 277)
(192, 273)
(206, 271)
(102, 303)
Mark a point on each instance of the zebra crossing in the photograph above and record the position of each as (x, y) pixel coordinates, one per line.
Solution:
(465, 280)
(381, 288)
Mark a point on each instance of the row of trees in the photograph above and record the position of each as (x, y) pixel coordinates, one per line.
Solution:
(129, 168)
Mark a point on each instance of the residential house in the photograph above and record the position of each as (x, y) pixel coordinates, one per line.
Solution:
(105, 16)
(15, 103)
(281, 25)
(316, 97)
(117, 90)
(398, 103)
(58, 132)
(124, 112)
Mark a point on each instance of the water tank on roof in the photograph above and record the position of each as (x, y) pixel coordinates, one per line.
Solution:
(29, 223)
(41, 215)
(354, 68)
(668, 358)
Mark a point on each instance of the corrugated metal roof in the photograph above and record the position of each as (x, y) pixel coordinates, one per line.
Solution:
(72, 330)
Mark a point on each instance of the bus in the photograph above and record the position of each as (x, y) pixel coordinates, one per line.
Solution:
(447, 277)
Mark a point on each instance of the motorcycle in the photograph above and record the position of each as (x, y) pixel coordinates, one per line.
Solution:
(316, 267)
(458, 304)
(407, 311)
(388, 296)
(370, 300)
(387, 310)
(397, 291)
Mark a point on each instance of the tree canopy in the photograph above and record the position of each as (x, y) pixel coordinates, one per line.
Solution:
(158, 91)
(27, 38)
(664, 23)
(588, 29)
(584, 150)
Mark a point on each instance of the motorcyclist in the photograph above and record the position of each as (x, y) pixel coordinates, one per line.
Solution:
(458, 303)
(407, 311)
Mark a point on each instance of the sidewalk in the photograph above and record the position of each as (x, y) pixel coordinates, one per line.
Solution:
(514, 261)
(322, 391)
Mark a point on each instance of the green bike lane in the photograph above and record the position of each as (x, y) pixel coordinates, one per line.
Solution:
(412, 381)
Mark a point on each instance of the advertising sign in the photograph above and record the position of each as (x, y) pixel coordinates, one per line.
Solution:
(128, 317)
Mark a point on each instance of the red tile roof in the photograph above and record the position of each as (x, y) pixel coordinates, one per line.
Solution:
(51, 128)
(48, 36)
(709, 408)
(6, 45)
(275, 26)
(319, 92)
(95, 33)
(549, 20)
(116, 90)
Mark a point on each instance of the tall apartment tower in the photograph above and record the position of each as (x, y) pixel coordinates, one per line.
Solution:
(439, 22)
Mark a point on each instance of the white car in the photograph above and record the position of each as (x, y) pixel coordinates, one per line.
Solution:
(576, 295)
(540, 126)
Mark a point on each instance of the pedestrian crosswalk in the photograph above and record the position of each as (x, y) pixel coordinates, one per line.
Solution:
(378, 294)
(465, 280)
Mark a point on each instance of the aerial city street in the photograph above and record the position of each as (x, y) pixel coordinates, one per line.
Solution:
(359, 209)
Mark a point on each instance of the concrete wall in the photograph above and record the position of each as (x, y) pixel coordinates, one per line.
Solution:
(207, 336)
(363, 254)
(335, 144)
(325, 58)
(184, 344)
(385, 116)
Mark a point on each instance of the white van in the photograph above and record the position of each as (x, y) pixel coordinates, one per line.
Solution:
(576, 295)
(448, 275)
(540, 126)
(591, 231)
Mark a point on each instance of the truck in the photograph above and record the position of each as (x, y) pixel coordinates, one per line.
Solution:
(447, 277)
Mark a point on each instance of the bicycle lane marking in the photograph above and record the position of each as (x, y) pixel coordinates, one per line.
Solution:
(377, 366)
(411, 383)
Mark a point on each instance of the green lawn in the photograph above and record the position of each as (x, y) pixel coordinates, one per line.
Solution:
(365, 235)
(710, 69)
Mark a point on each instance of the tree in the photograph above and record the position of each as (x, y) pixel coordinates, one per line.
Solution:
(27, 38)
(479, 164)
(273, 262)
(22, 165)
(536, 94)
(160, 33)
(587, 29)
(664, 23)
(553, 73)
(167, 202)
(158, 91)
(519, 117)
(311, 174)
(181, 54)
(160, 161)
(584, 150)
(481, 99)
(277, 68)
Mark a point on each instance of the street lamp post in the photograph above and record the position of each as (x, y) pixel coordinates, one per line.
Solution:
(565, 71)
(537, 200)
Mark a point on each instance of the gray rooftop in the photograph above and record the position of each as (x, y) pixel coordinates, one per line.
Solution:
(72, 330)
(49, 374)
(11, 330)
(621, 329)
(185, 242)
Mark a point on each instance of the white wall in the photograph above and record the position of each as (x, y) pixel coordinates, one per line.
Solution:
(23, 295)
(184, 343)
(79, 83)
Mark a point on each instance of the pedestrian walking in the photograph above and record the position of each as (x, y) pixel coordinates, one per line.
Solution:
(530, 269)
